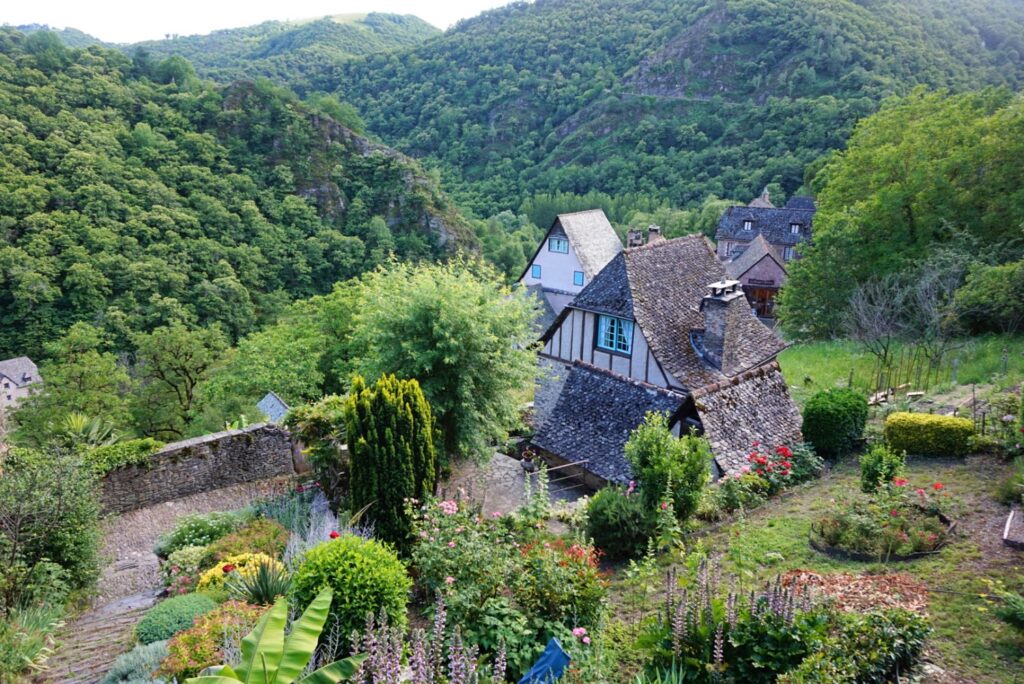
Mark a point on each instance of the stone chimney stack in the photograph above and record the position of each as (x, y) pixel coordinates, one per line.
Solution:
(654, 234)
(634, 238)
(725, 300)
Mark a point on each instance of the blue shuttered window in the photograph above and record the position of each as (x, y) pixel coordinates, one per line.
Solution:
(615, 334)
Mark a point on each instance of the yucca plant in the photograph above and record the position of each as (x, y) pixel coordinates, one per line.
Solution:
(262, 587)
(271, 657)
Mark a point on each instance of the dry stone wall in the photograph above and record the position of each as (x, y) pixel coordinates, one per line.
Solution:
(201, 464)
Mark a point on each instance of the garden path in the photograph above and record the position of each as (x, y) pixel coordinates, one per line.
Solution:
(130, 581)
(499, 485)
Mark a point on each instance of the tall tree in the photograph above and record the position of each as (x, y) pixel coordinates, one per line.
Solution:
(390, 429)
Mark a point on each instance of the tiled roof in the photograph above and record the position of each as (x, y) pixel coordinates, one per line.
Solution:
(753, 253)
(592, 237)
(754, 406)
(546, 315)
(20, 370)
(609, 292)
(773, 223)
(595, 412)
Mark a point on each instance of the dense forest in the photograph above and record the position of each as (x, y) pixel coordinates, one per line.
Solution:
(678, 99)
(134, 195)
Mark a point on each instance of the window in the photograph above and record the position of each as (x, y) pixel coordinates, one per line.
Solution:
(615, 334)
(787, 253)
(748, 225)
(577, 277)
(535, 271)
(560, 245)
(794, 228)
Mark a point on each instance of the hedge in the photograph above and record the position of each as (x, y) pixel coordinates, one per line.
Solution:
(929, 435)
(834, 420)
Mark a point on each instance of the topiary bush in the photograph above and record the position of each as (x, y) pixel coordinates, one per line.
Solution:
(366, 576)
(834, 421)
(925, 434)
(262, 535)
(200, 530)
(618, 523)
(137, 665)
(879, 466)
(169, 617)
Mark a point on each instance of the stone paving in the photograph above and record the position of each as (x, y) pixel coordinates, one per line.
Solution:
(499, 485)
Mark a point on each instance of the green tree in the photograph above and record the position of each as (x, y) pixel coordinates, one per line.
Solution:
(465, 337)
(390, 429)
(79, 378)
(170, 364)
(661, 461)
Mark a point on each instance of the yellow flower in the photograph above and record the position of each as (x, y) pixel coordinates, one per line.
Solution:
(245, 564)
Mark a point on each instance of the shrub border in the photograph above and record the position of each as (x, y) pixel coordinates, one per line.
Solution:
(861, 557)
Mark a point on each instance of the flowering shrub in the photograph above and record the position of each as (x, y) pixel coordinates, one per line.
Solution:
(895, 520)
(245, 564)
(561, 582)
(259, 536)
(774, 466)
(199, 530)
(202, 645)
(181, 570)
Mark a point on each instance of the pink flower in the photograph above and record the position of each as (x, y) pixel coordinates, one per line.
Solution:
(579, 632)
(449, 580)
(894, 513)
(449, 507)
(451, 545)
(496, 514)
(333, 534)
(899, 482)
(920, 492)
(664, 505)
(586, 640)
(745, 469)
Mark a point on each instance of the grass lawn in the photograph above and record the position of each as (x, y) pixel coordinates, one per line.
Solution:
(813, 366)
(968, 642)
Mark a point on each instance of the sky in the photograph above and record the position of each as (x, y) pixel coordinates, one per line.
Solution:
(129, 21)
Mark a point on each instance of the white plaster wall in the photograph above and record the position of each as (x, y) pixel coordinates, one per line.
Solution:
(556, 269)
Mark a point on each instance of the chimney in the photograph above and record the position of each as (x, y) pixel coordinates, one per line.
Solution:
(634, 238)
(654, 234)
(723, 303)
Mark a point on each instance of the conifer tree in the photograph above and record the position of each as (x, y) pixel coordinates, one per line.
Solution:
(390, 432)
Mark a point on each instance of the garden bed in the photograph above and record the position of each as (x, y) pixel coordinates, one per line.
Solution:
(863, 557)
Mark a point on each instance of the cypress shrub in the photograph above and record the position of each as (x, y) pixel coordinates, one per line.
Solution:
(834, 420)
(390, 439)
(925, 434)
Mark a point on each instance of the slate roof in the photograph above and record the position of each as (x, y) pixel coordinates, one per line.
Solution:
(547, 314)
(595, 412)
(772, 222)
(754, 406)
(660, 285)
(273, 407)
(752, 254)
(20, 370)
(801, 202)
(592, 237)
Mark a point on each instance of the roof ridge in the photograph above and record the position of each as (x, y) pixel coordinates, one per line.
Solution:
(581, 211)
(662, 243)
(751, 372)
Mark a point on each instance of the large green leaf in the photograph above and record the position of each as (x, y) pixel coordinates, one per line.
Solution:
(217, 674)
(339, 671)
(301, 641)
(263, 648)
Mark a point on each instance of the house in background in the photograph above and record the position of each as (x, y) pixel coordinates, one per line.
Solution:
(661, 328)
(758, 240)
(17, 376)
(575, 249)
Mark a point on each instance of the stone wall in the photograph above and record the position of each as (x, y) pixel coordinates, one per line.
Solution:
(200, 464)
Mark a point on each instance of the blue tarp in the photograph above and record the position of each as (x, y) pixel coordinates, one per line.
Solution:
(549, 667)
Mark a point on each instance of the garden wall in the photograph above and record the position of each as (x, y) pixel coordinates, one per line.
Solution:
(200, 464)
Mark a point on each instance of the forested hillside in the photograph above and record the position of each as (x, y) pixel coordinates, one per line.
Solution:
(291, 53)
(133, 195)
(672, 98)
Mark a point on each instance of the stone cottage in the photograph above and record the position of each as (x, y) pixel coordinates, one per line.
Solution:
(17, 376)
(661, 328)
(758, 240)
(574, 250)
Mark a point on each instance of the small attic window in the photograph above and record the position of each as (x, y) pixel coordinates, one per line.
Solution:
(794, 228)
(560, 245)
(748, 225)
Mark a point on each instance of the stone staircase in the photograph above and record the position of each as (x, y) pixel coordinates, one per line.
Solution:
(91, 643)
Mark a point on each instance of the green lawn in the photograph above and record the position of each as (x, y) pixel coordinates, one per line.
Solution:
(813, 366)
(968, 640)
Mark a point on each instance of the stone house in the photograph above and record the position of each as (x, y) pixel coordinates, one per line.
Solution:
(759, 240)
(574, 250)
(17, 376)
(661, 328)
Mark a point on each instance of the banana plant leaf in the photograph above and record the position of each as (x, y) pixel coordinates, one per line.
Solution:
(263, 648)
(301, 642)
(339, 671)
